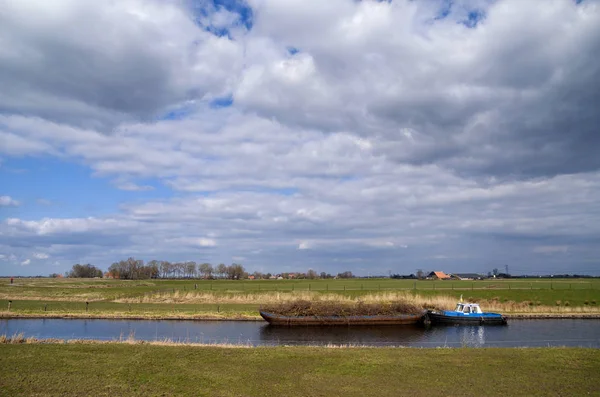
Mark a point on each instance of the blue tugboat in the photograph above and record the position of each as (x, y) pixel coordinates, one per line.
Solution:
(465, 314)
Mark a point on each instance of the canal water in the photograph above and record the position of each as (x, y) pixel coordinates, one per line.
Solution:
(519, 333)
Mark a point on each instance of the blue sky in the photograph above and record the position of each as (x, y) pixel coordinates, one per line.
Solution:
(365, 136)
(48, 187)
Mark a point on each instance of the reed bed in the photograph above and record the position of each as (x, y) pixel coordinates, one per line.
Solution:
(280, 297)
(19, 338)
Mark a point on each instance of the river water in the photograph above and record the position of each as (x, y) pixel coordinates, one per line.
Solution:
(519, 333)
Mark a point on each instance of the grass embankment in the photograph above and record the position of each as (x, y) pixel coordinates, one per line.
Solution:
(70, 309)
(144, 370)
(241, 299)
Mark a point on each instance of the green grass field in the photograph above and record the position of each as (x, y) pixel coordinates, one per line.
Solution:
(242, 298)
(148, 370)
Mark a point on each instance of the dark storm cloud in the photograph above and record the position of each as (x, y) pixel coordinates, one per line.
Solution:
(86, 64)
(515, 96)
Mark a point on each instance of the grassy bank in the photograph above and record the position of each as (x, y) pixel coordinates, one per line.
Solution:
(218, 306)
(101, 309)
(146, 370)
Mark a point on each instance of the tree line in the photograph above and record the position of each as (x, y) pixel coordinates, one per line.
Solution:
(136, 269)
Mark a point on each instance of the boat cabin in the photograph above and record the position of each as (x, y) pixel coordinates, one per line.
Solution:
(468, 308)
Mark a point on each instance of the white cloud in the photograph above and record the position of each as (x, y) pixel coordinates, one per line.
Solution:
(383, 244)
(7, 201)
(26, 262)
(192, 241)
(117, 76)
(466, 94)
(51, 226)
(41, 255)
(388, 129)
(206, 242)
(130, 186)
(304, 245)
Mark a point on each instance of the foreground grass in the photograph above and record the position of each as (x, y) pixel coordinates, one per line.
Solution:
(148, 370)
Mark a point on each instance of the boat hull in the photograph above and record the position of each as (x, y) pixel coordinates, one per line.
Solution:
(440, 318)
(400, 319)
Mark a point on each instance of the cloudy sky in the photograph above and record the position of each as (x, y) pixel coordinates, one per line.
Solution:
(370, 136)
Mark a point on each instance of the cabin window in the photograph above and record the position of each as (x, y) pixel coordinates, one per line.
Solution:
(466, 309)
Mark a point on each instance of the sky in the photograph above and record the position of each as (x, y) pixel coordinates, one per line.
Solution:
(372, 136)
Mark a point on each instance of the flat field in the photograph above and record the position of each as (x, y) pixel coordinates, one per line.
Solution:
(151, 370)
(241, 299)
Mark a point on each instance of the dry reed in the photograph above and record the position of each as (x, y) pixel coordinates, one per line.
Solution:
(313, 308)
(130, 340)
(193, 297)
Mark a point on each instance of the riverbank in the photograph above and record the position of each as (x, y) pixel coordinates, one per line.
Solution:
(144, 369)
(204, 316)
(234, 316)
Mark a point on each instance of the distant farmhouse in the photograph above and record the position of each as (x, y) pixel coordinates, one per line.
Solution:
(439, 275)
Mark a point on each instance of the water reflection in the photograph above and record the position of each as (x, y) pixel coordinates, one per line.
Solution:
(584, 333)
(473, 336)
(359, 335)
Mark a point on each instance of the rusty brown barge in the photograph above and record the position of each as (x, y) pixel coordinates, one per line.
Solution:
(396, 319)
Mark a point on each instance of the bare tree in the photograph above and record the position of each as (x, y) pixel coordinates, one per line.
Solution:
(311, 274)
(190, 269)
(206, 270)
(180, 269)
(165, 268)
(221, 269)
(235, 272)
